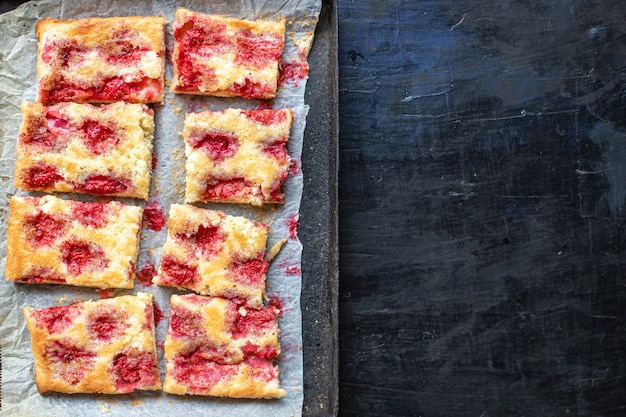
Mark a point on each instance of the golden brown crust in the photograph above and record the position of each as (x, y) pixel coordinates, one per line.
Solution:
(87, 60)
(233, 352)
(56, 241)
(106, 346)
(222, 71)
(73, 147)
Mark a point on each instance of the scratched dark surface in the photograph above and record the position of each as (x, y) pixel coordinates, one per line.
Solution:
(482, 208)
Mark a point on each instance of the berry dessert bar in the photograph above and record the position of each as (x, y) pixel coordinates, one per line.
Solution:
(84, 148)
(56, 241)
(212, 253)
(101, 60)
(237, 156)
(226, 57)
(105, 346)
(216, 347)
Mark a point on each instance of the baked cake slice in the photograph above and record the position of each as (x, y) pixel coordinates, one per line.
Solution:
(237, 156)
(227, 57)
(106, 346)
(218, 348)
(56, 241)
(101, 60)
(84, 148)
(212, 253)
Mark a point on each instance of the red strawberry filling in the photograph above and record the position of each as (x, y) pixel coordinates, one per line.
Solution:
(103, 184)
(90, 214)
(41, 176)
(57, 319)
(81, 257)
(250, 271)
(98, 137)
(106, 324)
(257, 51)
(266, 117)
(44, 229)
(133, 370)
(177, 273)
(219, 146)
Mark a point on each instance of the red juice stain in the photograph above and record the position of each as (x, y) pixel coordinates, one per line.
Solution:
(105, 293)
(153, 216)
(146, 273)
(293, 72)
(293, 270)
(276, 302)
(158, 314)
(295, 166)
(293, 223)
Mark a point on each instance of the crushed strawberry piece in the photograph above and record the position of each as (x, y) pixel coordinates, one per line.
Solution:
(262, 368)
(103, 184)
(90, 214)
(250, 271)
(98, 137)
(218, 145)
(41, 176)
(146, 273)
(57, 319)
(176, 272)
(200, 375)
(255, 321)
(134, 370)
(43, 229)
(81, 257)
(266, 117)
(185, 323)
(293, 72)
(106, 324)
(153, 216)
(257, 51)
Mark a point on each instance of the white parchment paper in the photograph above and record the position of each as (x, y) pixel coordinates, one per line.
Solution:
(18, 49)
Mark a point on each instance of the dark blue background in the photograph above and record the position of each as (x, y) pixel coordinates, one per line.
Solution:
(482, 196)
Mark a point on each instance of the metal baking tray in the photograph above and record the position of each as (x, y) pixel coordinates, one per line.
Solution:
(318, 229)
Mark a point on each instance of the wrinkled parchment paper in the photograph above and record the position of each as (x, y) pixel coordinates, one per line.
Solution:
(18, 49)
